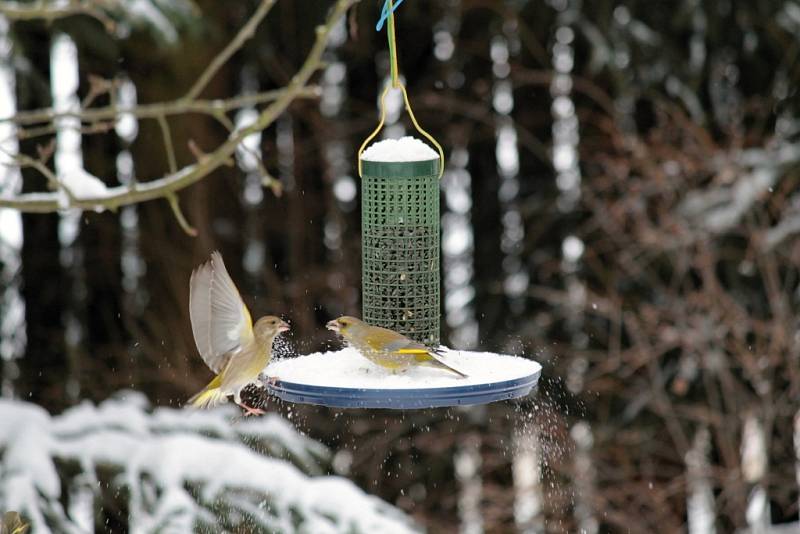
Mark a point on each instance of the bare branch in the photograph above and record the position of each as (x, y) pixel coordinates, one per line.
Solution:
(190, 174)
(52, 179)
(156, 110)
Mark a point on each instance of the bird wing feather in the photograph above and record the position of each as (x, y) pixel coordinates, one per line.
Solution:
(381, 339)
(221, 322)
(404, 345)
(420, 353)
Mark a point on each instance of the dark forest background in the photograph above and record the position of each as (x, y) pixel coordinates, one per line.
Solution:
(639, 240)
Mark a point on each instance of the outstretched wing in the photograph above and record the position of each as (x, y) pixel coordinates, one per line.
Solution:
(221, 322)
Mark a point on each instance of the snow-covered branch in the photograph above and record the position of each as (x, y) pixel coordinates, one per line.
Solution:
(720, 208)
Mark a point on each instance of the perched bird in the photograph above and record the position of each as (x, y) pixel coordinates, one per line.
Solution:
(387, 348)
(12, 524)
(225, 336)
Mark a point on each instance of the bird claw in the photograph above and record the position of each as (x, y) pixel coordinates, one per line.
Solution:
(249, 410)
(270, 380)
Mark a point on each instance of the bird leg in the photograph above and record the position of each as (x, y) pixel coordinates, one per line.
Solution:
(249, 410)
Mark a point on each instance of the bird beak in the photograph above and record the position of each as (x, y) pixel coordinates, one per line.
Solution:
(333, 325)
(283, 327)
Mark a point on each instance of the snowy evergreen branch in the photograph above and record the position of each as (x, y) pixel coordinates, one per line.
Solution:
(169, 185)
(174, 470)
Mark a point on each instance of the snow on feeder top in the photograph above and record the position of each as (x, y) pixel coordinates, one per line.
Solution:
(400, 223)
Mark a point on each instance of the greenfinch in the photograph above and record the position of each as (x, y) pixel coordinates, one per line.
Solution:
(12, 524)
(387, 348)
(225, 336)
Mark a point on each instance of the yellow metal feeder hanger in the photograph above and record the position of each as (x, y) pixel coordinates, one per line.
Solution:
(400, 228)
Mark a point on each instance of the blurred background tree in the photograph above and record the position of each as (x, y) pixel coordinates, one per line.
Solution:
(620, 203)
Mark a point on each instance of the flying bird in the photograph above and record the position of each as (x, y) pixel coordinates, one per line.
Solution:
(226, 339)
(13, 524)
(387, 348)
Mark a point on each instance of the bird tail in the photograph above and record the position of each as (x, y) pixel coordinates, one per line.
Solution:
(432, 358)
(210, 396)
(436, 362)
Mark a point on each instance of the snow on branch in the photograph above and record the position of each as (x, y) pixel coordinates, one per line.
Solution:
(160, 17)
(41, 122)
(718, 209)
(52, 10)
(174, 470)
(786, 227)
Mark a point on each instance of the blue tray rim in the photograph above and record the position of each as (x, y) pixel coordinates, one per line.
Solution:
(405, 398)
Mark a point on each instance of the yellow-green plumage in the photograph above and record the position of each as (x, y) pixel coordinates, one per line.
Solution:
(209, 396)
(242, 368)
(226, 338)
(13, 524)
(387, 348)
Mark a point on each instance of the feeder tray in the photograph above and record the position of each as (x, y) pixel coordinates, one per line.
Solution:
(344, 379)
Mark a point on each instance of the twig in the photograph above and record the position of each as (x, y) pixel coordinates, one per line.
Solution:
(247, 31)
(98, 86)
(225, 121)
(267, 180)
(50, 129)
(173, 165)
(172, 198)
(55, 183)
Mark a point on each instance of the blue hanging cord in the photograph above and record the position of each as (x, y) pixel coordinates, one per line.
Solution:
(385, 14)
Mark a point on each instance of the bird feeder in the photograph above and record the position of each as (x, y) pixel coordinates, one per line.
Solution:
(400, 230)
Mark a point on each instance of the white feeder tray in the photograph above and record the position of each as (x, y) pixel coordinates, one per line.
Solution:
(345, 379)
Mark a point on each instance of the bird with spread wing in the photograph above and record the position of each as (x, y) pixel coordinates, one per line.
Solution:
(387, 348)
(229, 343)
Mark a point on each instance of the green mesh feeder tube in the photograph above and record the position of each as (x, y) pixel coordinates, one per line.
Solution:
(400, 247)
(400, 226)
